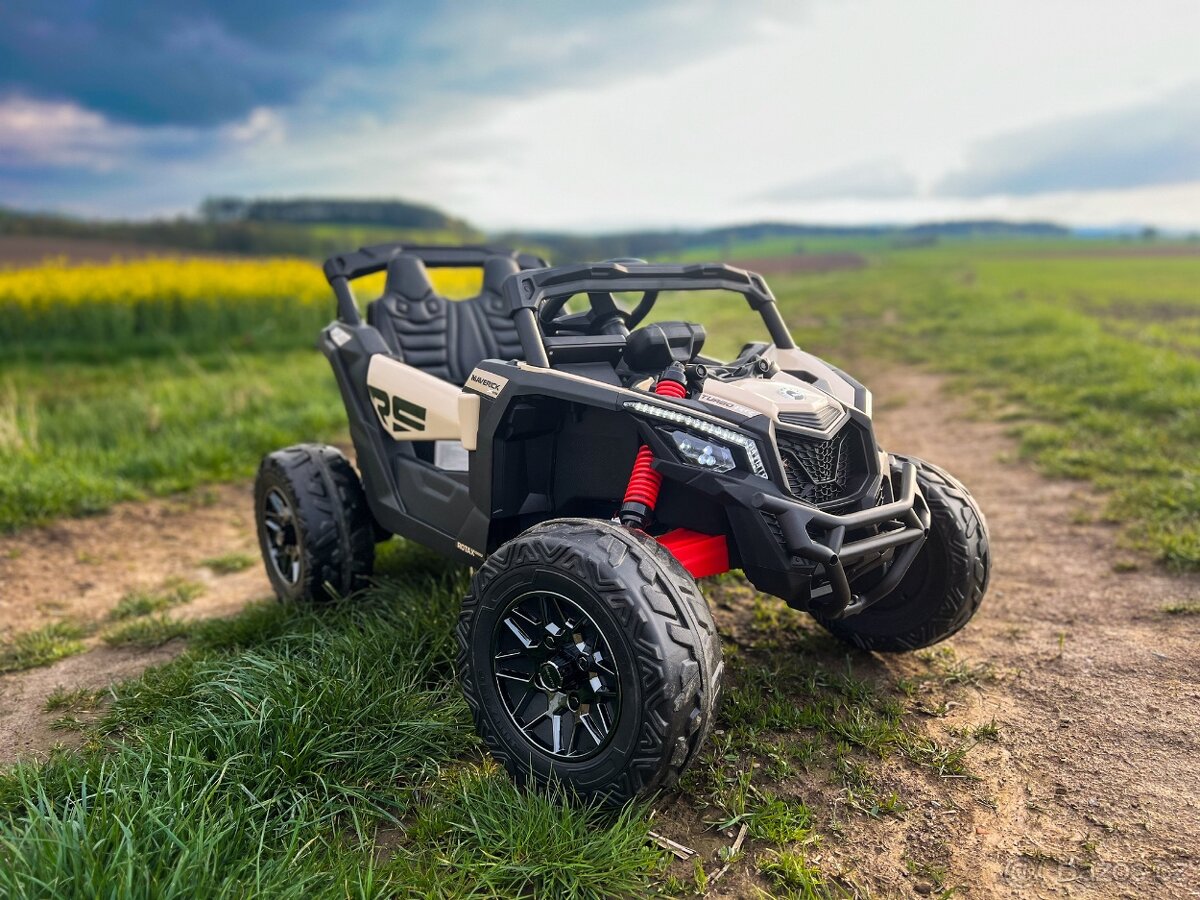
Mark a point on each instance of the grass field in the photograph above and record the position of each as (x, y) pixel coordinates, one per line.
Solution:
(1096, 362)
(111, 311)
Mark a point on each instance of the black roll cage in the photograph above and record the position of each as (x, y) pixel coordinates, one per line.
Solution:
(537, 283)
(527, 291)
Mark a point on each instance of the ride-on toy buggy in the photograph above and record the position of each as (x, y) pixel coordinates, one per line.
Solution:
(592, 467)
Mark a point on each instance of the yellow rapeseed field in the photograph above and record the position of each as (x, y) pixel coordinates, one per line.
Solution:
(197, 302)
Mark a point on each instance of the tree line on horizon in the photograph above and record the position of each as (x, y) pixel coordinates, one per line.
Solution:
(318, 227)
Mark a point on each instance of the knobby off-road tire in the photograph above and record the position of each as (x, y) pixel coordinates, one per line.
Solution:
(946, 582)
(314, 528)
(658, 648)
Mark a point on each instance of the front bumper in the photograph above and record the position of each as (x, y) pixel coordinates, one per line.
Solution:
(820, 537)
(800, 553)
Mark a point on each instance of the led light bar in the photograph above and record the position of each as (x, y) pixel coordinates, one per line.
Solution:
(718, 431)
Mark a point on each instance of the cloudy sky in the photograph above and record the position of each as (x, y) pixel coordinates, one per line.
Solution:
(605, 115)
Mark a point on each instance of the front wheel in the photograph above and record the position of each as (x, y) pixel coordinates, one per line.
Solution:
(589, 659)
(945, 583)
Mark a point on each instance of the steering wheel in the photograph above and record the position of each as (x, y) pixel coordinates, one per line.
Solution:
(598, 318)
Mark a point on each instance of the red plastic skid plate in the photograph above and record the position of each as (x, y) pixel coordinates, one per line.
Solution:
(701, 554)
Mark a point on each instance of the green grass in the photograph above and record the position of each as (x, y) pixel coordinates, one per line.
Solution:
(790, 872)
(136, 626)
(1183, 608)
(72, 700)
(229, 563)
(41, 647)
(298, 754)
(74, 438)
(784, 713)
(173, 592)
(329, 753)
(476, 835)
(147, 632)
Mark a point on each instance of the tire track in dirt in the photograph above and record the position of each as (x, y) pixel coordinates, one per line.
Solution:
(78, 570)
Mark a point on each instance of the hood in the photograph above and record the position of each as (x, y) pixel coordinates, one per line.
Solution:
(785, 399)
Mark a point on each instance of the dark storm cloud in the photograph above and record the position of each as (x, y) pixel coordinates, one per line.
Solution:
(161, 63)
(208, 62)
(1151, 144)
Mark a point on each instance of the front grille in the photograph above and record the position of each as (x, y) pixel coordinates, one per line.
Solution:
(819, 420)
(772, 521)
(824, 472)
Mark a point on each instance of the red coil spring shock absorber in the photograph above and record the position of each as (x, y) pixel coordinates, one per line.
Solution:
(642, 493)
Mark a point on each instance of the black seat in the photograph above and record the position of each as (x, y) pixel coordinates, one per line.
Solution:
(446, 338)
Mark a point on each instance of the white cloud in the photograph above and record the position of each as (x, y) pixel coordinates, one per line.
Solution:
(1173, 206)
(262, 125)
(39, 133)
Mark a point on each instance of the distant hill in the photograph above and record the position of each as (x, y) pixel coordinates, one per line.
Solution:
(647, 244)
(988, 228)
(330, 211)
(319, 227)
(259, 236)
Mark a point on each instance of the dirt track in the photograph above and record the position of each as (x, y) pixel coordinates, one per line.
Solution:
(1094, 777)
(1091, 789)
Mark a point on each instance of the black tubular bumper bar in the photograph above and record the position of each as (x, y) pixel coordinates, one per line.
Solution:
(833, 553)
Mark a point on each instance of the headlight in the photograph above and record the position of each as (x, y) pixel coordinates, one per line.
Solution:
(702, 452)
(700, 426)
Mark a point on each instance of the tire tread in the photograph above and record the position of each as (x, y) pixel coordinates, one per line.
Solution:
(336, 526)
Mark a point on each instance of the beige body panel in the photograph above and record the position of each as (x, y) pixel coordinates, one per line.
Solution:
(468, 420)
(782, 394)
(413, 405)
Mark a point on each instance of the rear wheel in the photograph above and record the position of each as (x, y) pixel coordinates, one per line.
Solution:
(589, 658)
(314, 529)
(945, 583)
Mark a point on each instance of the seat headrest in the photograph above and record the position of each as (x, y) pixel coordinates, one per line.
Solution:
(495, 270)
(407, 277)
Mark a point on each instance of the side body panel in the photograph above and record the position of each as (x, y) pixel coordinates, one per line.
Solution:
(412, 405)
(408, 495)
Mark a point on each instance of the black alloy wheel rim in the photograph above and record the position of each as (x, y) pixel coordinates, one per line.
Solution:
(282, 535)
(555, 674)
